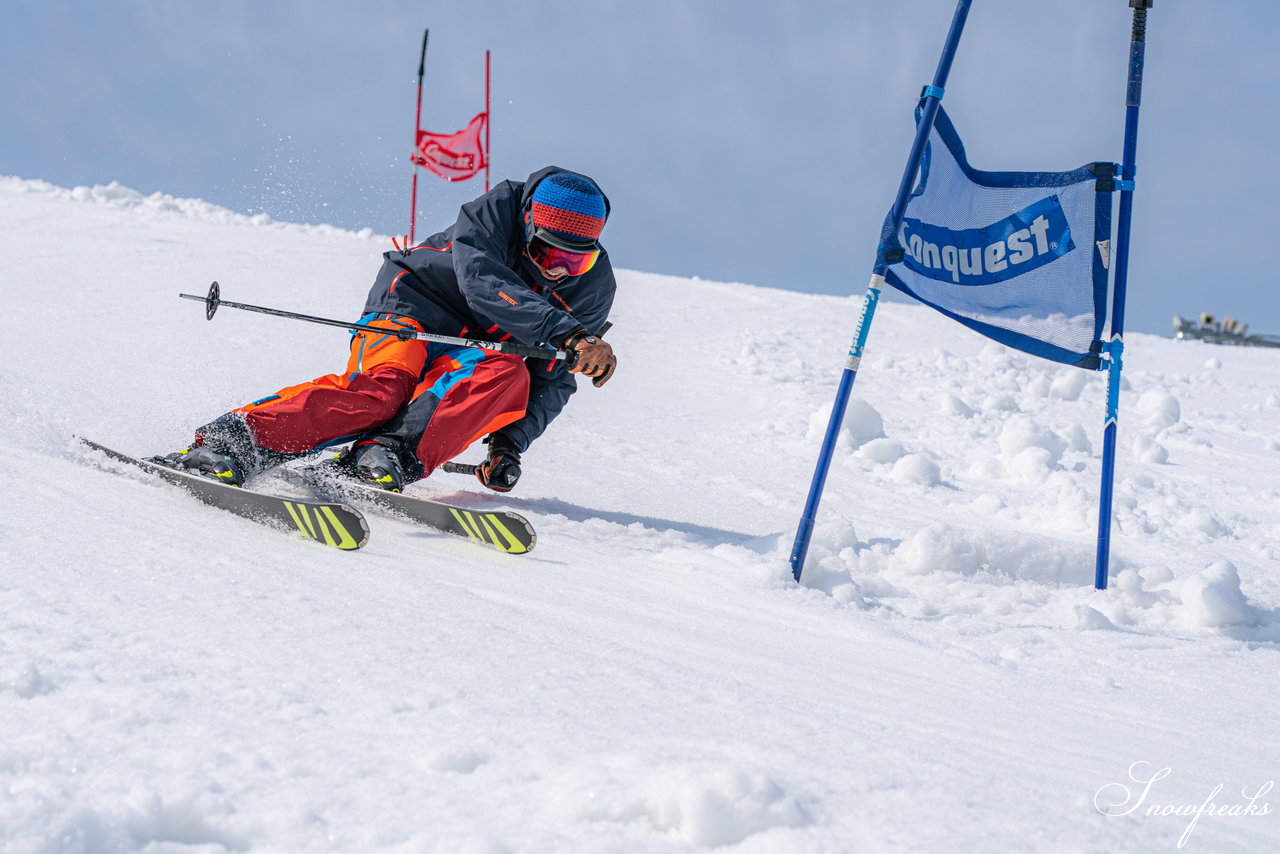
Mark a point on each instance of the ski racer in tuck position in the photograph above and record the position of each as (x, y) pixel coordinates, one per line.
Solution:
(523, 262)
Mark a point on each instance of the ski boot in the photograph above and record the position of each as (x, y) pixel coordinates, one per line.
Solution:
(224, 451)
(207, 462)
(377, 464)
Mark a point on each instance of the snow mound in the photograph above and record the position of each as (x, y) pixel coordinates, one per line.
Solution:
(143, 821)
(862, 423)
(1158, 409)
(1210, 599)
(161, 205)
(941, 569)
(707, 805)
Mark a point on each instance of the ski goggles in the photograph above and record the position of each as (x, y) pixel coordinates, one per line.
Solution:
(549, 257)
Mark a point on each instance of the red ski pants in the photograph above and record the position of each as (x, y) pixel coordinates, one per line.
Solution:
(434, 399)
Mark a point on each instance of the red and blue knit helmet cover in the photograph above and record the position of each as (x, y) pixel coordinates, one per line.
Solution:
(569, 207)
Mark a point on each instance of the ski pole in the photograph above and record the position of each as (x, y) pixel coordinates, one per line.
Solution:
(213, 300)
(459, 468)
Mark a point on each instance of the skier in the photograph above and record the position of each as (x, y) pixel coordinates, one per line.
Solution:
(523, 263)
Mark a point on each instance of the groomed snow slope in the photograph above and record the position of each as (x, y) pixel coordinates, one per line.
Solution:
(175, 679)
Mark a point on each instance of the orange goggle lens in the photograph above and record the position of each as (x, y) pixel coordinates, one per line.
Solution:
(550, 257)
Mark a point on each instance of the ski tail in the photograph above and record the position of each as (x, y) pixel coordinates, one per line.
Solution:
(333, 524)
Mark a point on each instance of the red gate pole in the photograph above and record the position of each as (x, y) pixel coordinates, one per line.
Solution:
(417, 126)
(488, 120)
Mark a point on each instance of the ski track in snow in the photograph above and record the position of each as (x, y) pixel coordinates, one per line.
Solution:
(173, 678)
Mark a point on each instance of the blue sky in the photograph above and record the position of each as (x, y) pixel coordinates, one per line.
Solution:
(738, 141)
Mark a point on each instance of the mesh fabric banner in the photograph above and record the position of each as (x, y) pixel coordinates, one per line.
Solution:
(1021, 257)
(453, 156)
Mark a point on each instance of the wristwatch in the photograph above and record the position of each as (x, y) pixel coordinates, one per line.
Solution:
(571, 342)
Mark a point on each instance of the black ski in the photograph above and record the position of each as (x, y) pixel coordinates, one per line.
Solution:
(333, 524)
(503, 530)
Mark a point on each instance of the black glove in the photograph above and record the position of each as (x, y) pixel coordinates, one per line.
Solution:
(502, 469)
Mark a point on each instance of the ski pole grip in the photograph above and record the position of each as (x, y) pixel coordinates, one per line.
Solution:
(537, 353)
(459, 468)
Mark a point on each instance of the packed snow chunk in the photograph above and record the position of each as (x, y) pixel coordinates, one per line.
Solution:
(861, 424)
(833, 552)
(917, 468)
(113, 193)
(986, 467)
(941, 548)
(1031, 465)
(832, 576)
(1039, 386)
(708, 803)
(999, 403)
(1077, 439)
(1209, 599)
(1148, 450)
(723, 806)
(1091, 619)
(1213, 364)
(1069, 383)
(1206, 522)
(1036, 558)
(882, 451)
(1213, 598)
(457, 759)
(30, 683)
(1159, 409)
(1022, 433)
(749, 360)
(953, 405)
(936, 548)
(832, 536)
(184, 822)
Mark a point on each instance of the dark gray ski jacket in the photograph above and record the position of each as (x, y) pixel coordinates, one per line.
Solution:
(474, 280)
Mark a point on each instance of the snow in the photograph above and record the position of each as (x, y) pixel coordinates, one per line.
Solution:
(176, 679)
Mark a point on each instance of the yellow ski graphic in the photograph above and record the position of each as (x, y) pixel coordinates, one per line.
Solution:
(345, 540)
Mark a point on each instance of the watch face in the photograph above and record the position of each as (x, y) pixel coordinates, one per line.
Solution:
(590, 339)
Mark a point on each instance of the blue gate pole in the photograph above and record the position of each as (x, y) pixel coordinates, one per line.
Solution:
(931, 97)
(1115, 346)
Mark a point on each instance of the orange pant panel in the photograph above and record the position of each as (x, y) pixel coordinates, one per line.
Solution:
(381, 373)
